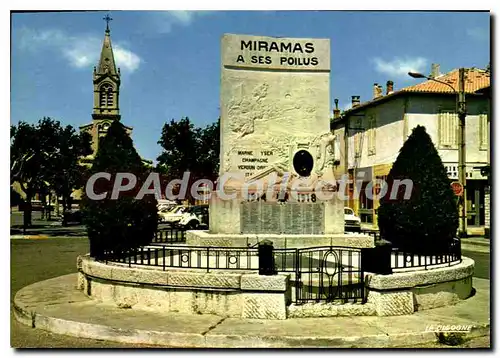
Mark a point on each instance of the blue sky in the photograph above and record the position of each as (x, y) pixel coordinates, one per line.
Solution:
(170, 60)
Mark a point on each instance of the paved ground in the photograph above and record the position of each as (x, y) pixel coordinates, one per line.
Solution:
(60, 307)
(36, 260)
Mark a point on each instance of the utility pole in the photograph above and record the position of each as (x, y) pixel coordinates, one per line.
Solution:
(462, 112)
(336, 115)
(346, 146)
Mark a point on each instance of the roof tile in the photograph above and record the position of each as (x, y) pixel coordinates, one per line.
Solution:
(475, 79)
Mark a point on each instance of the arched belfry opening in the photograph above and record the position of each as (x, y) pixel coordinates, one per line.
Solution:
(106, 95)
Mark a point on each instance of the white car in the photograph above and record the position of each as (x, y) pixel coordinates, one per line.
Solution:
(164, 205)
(174, 215)
(352, 223)
(195, 217)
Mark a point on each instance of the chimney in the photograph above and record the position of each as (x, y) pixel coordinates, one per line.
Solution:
(434, 70)
(377, 90)
(389, 87)
(336, 111)
(355, 101)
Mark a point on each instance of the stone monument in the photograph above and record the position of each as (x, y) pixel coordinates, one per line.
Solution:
(277, 151)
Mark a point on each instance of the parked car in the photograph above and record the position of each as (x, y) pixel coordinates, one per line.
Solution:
(172, 216)
(195, 217)
(73, 216)
(36, 205)
(165, 205)
(352, 223)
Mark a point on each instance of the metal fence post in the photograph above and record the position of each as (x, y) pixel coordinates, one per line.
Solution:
(377, 259)
(266, 258)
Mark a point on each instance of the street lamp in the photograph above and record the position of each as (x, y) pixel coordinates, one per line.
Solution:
(462, 112)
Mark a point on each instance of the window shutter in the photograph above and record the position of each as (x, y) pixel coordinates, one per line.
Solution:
(358, 132)
(483, 132)
(448, 129)
(371, 134)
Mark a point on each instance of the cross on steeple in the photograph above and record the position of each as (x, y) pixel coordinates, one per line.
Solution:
(107, 19)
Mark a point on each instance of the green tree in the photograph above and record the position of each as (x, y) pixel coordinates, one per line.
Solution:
(49, 133)
(15, 198)
(124, 223)
(66, 173)
(179, 142)
(32, 150)
(209, 150)
(45, 158)
(187, 148)
(428, 220)
(23, 165)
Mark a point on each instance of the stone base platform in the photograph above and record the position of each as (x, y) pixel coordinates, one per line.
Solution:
(57, 306)
(205, 238)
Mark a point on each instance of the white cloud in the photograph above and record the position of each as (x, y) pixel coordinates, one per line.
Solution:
(126, 59)
(80, 51)
(182, 16)
(166, 20)
(399, 67)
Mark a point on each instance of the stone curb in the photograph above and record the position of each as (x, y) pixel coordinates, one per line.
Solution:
(196, 340)
(28, 237)
(476, 248)
(410, 279)
(37, 237)
(478, 242)
(207, 339)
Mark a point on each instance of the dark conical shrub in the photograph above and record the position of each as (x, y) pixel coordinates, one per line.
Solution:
(428, 220)
(123, 223)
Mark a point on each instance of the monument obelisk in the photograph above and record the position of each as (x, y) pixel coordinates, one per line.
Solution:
(277, 151)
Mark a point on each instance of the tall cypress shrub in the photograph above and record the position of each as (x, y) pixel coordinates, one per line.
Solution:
(428, 220)
(123, 223)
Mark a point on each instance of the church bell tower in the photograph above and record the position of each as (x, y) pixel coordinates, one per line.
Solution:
(106, 83)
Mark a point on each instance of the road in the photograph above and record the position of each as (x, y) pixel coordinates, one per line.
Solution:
(16, 217)
(482, 263)
(51, 228)
(36, 260)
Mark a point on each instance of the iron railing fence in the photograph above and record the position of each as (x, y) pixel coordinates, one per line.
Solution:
(169, 235)
(317, 274)
(402, 259)
(191, 257)
(329, 274)
(285, 258)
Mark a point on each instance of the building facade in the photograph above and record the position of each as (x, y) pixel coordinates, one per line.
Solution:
(372, 133)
